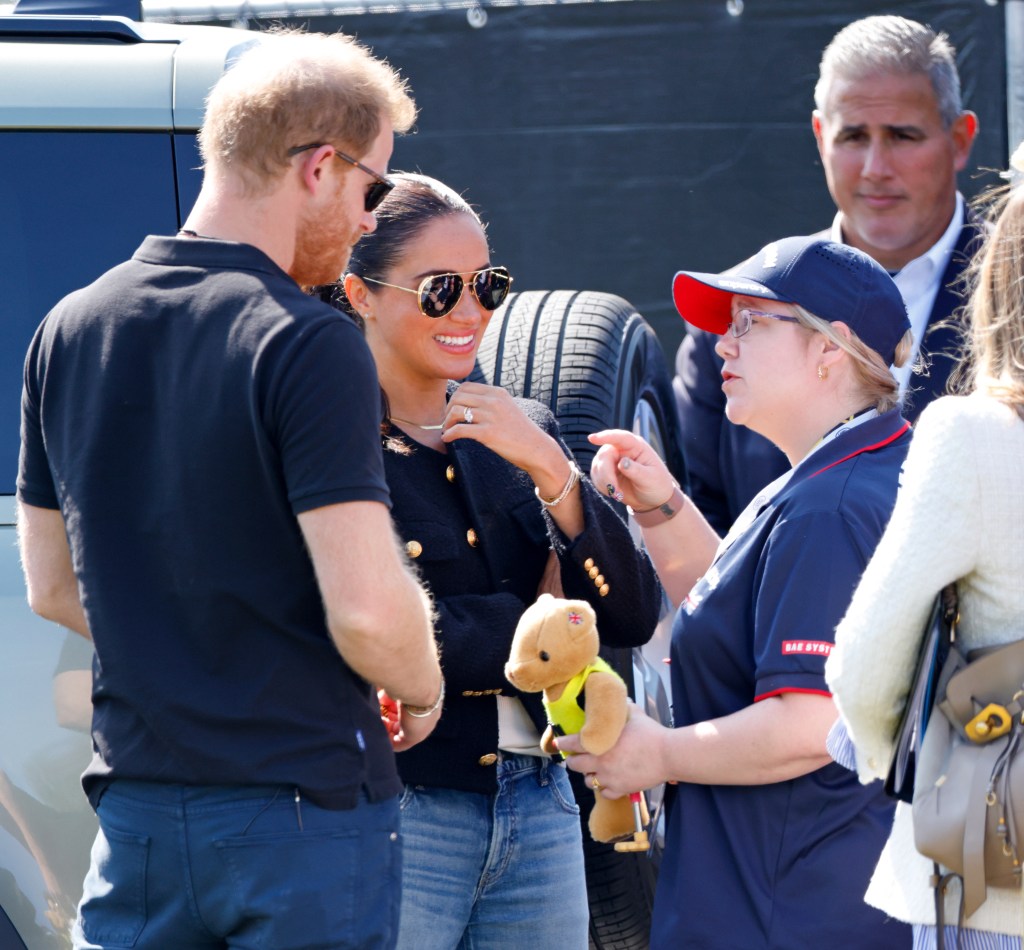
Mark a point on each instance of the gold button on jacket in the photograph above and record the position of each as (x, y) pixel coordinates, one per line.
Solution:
(413, 548)
(488, 759)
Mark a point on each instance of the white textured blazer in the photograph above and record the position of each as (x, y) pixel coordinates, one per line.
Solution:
(959, 516)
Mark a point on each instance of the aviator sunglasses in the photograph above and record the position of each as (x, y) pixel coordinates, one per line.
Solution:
(375, 193)
(439, 294)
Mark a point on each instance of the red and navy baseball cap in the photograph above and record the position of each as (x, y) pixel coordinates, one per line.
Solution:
(833, 281)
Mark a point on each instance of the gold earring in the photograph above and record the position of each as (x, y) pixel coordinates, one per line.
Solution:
(822, 372)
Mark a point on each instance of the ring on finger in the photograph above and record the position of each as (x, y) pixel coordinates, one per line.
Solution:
(467, 414)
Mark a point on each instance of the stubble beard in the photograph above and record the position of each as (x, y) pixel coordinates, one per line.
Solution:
(323, 246)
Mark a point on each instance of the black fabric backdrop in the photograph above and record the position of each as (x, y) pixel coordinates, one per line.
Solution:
(610, 144)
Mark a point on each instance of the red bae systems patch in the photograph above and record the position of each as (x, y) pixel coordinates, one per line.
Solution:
(815, 647)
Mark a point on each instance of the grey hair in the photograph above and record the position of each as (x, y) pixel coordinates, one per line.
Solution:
(873, 378)
(892, 45)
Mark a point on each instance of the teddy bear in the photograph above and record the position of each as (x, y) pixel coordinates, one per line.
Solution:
(554, 650)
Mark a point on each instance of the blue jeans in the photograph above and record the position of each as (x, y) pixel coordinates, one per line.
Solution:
(502, 871)
(208, 867)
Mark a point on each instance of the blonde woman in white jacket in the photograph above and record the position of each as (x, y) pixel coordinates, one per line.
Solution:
(959, 516)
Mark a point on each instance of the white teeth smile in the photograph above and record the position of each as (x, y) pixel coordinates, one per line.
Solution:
(454, 340)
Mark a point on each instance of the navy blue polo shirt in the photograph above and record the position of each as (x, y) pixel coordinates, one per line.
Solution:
(784, 864)
(181, 411)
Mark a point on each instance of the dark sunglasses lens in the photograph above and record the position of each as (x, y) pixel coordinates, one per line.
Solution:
(376, 193)
(439, 295)
(491, 287)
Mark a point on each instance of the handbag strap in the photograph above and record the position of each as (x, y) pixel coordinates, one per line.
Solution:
(950, 613)
(973, 890)
(940, 883)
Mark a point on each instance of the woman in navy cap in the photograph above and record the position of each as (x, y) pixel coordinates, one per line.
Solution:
(769, 843)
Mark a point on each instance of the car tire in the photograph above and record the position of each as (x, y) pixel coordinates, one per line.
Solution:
(592, 360)
(597, 364)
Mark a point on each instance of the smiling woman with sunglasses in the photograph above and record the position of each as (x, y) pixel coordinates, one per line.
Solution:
(769, 843)
(439, 294)
(493, 511)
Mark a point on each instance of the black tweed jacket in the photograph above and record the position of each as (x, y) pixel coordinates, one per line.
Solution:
(480, 538)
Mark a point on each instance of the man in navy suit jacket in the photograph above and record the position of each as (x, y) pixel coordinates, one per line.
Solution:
(892, 136)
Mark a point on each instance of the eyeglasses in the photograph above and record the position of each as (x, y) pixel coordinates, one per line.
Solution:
(439, 294)
(375, 193)
(743, 320)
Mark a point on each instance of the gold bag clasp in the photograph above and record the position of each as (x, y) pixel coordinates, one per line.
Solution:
(991, 723)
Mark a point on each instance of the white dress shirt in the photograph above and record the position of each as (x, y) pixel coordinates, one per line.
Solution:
(919, 283)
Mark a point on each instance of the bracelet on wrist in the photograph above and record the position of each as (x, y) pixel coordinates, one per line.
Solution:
(422, 712)
(574, 477)
(659, 514)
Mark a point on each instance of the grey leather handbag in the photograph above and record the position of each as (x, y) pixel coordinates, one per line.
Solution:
(968, 807)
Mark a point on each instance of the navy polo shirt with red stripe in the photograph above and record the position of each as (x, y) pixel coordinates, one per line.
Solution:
(785, 864)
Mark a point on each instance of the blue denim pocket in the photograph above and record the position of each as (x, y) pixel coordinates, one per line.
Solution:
(314, 888)
(561, 789)
(113, 910)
